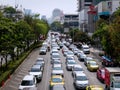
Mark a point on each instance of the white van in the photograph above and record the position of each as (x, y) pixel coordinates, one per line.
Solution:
(86, 49)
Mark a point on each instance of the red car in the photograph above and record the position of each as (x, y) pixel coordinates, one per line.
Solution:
(101, 74)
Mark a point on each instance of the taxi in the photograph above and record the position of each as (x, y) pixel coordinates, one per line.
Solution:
(56, 79)
(94, 87)
(92, 66)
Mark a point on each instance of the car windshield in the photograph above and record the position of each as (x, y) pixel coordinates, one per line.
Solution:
(55, 56)
(27, 83)
(35, 70)
(93, 63)
(70, 59)
(117, 84)
(81, 78)
(56, 80)
(78, 69)
(70, 53)
(71, 63)
(57, 68)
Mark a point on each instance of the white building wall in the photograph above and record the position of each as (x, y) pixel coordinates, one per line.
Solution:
(115, 5)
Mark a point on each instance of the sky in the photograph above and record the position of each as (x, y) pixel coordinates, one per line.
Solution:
(44, 7)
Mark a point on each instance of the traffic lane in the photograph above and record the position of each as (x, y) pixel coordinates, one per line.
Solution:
(67, 75)
(44, 84)
(91, 75)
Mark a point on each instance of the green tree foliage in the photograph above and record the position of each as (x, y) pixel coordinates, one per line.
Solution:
(79, 36)
(57, 26)
(109, 35)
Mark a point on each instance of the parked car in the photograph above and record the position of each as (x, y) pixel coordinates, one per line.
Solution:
(101, 74)
(76, 69)
(28, 82)
(94, 87)
(92, 66)
(36, 70)
(56, 80)
(80, 81)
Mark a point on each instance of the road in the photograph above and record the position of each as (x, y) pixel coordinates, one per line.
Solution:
(15, 80)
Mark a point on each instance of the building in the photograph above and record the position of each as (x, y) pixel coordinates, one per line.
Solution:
(57, 15)
(91, 10)
(71, 21)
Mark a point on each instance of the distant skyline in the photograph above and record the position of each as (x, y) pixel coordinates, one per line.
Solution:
(44, 7)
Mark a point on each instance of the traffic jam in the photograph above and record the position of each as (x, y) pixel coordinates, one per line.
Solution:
(109, 77)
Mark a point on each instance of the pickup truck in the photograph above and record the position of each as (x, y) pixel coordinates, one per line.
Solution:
(112, 78)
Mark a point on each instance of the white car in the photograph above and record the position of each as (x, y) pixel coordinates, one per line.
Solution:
(80, 81)
(29, 81)
(86, 49)
(87, 59)
(82, 57)
(77, 69)
(36, 71)
(41, 60)
(70, 54)
(57, 70)
(70, 64)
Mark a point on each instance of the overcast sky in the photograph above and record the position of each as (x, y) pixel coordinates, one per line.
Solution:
(44, 7)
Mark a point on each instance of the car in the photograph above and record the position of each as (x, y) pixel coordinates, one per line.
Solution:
(29, 81)
(94, 87)
(41, 60)
(80, 81)
(76, 69)
(53, 50)
(75, 51)
(85, 49)
(36, 71)
(87, 59)
(58, 87)
(56, 62)
(78, 53)
(81, 57)
(69, 54)
(57, 70)
(56, 80)
(69, 58)
(55, 56)
(92, 66)
(43, 51)
(101, 74)
(70, 64)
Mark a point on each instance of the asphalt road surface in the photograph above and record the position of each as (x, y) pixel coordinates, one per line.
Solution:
(15, 80)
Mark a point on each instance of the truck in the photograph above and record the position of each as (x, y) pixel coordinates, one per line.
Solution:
(112, 78)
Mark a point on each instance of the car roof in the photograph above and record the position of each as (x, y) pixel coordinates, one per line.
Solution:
(58, 87)
(40, 58)
(56, 76)
(80, 74)
(28, 77)
(78, 66)
(36, 66)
